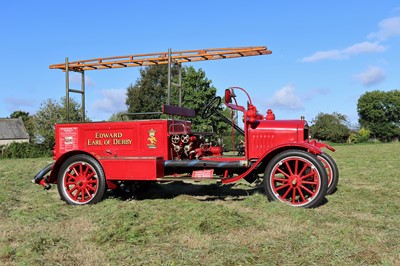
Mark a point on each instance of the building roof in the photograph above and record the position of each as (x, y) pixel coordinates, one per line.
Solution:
(12, 128)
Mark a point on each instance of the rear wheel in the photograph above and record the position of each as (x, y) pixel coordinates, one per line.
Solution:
(332, 170)
(81, 180)
(296, 178)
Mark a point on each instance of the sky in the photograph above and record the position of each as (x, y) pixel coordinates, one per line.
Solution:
(325, 54)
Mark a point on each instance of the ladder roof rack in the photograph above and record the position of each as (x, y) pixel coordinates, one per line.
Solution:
(162, 58)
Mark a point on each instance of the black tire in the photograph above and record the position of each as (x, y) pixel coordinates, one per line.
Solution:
(81, 180)
(332, 171)
(296, 178)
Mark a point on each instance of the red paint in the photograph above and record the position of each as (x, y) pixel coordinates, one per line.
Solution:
(266, 134)
(153, 150)
(115, 139)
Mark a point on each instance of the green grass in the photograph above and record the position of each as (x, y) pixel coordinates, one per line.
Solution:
(208, 224)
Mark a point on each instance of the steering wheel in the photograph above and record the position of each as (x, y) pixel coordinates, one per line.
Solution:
(211, 107)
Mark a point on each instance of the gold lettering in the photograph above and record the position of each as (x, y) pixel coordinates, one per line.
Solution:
(114, 138)
(122, 141)
(95, 142)
(115, 135)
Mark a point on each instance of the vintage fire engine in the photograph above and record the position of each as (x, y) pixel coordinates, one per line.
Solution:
(91, 158)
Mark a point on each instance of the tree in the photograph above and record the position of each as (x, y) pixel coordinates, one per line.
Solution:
(197, 91)
(50, 113)
(150, 91)
(379, 112)
(116, 117)
(20, 114)
(330, 127)
(28, 122)
(361, 136)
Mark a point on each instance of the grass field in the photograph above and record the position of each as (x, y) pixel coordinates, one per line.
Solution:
(208, 224)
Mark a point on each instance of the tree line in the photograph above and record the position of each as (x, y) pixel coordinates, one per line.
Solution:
(379, 119)
(379, 112)
(40, 127)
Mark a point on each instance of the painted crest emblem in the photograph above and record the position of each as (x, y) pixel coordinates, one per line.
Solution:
(152, 139)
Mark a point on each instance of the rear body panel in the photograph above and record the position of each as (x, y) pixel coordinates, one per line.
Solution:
(127, 150)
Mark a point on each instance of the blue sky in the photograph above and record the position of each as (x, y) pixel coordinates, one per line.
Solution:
(326, 54)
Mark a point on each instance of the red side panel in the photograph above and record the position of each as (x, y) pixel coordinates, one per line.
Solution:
(110, 140)
(132, 150)
(146, 138)
(135, 168)
(153, 140)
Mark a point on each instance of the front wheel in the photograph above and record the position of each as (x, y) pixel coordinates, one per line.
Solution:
(296, 178)
(81, 180)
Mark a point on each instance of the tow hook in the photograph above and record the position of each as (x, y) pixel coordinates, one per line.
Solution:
(43, 183)
(39, 178)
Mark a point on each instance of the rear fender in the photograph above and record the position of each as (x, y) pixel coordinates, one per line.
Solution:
(57, 165)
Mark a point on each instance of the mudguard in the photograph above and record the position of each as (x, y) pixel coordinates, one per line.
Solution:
(314, 148)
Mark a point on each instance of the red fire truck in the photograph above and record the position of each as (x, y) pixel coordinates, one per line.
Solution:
(92, 157)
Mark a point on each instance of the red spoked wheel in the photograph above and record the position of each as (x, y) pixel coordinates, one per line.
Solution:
(332, 170)
(296, 178)
(81, 180)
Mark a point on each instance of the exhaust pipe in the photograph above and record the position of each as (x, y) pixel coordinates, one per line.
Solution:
(205, 164)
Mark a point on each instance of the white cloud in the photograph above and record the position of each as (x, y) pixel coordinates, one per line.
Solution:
(112, 101)
(286, 97)
(371, 76)
(388, 28)
(346, 53)
(362, 48)
(322, 55)
(77, 79)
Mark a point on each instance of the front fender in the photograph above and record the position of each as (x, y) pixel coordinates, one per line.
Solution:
(269, 154)
(319, 144)
(310, 147)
